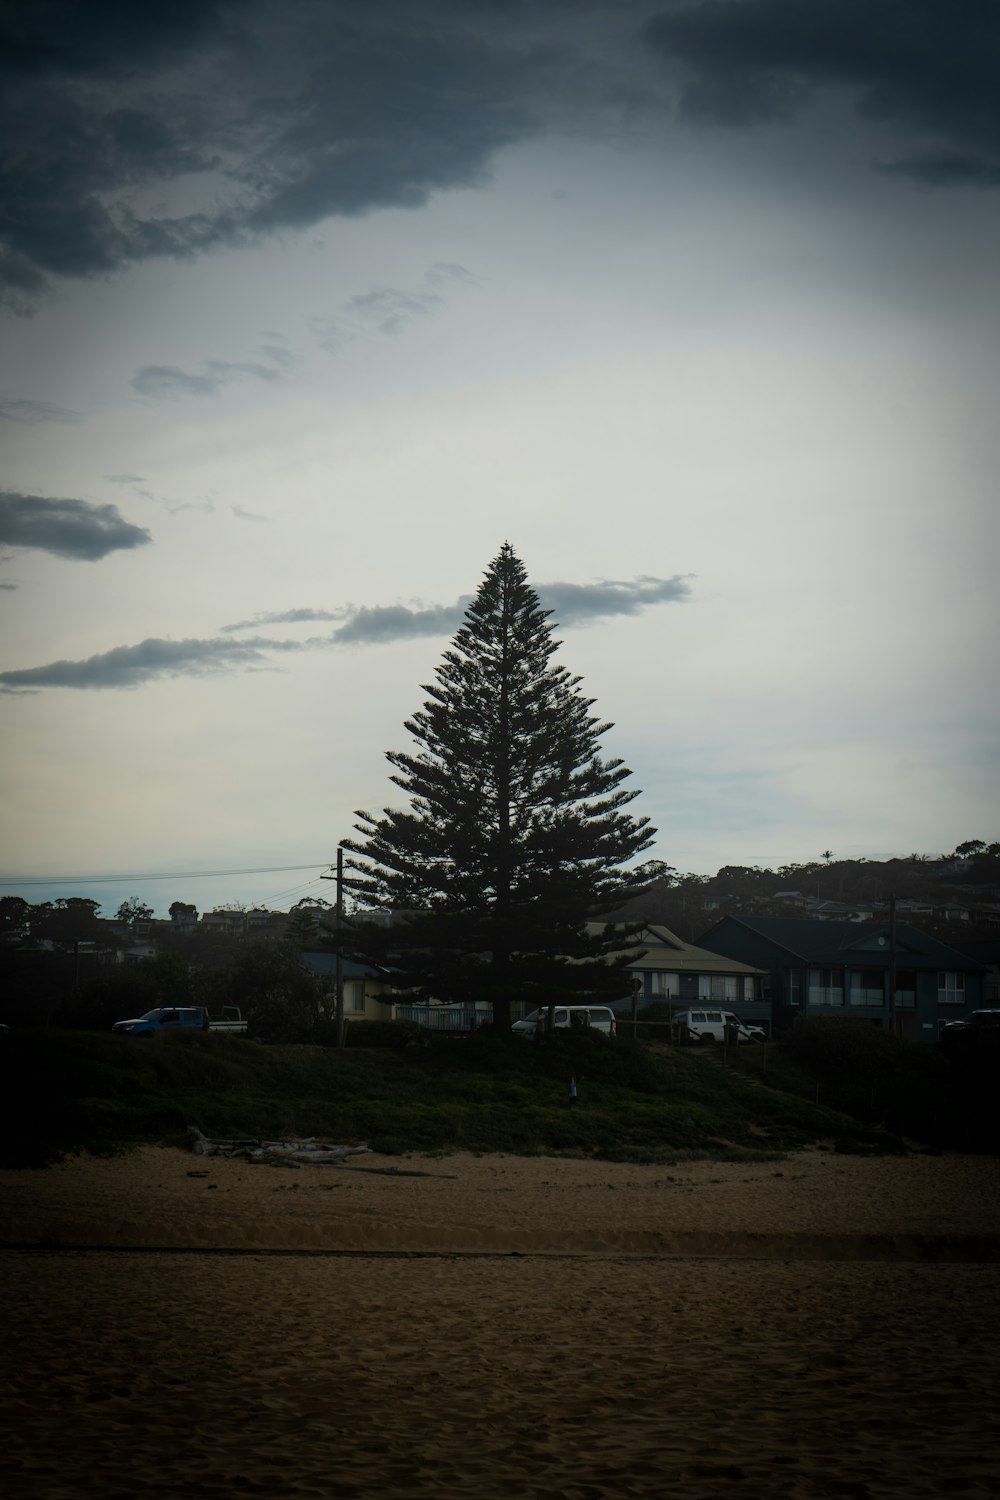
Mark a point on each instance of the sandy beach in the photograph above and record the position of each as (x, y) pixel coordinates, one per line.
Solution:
(499, 1326)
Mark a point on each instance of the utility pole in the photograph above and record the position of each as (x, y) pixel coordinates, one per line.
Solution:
(340, 946)
(339, 971)
(892, 966)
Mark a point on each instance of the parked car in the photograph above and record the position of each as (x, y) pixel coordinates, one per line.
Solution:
(979, 1020)
(710, 1026)
(599, 1017)
(175, 1017)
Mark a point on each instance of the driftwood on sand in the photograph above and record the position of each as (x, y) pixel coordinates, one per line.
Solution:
(304, 1153)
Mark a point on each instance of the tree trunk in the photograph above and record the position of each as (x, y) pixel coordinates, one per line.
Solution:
(500, 959)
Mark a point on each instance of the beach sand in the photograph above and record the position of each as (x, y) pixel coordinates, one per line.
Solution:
(826, 1326)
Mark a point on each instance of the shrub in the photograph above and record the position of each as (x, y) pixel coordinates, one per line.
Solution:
(127, 990)
(874, 1076)
(831, 1047)
(381, 1034)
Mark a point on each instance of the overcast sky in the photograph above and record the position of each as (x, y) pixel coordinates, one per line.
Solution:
(309, 307)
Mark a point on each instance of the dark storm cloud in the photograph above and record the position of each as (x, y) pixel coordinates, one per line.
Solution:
(32, 413)
(376, 624)
(100, 37)
(69, 528)
(924, 65)
(65, 176)
(199, 124)
(130, 666)
(945, 169)
(286, 114)
(85, 119)
(579, 603)
(364, 625)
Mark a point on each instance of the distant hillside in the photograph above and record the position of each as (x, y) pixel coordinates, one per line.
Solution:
(954, 896)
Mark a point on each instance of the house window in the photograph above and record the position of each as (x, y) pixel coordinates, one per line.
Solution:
(906, 989)
(826, 987)
(354, 996)
(867, 987)
(719, 987)
(748, 993)
(663, 985)
(794, 986)
(951, 988)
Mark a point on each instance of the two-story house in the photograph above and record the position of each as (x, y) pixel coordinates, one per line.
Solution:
(846, 969)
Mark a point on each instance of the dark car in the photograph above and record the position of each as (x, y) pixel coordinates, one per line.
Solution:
(979, 1020)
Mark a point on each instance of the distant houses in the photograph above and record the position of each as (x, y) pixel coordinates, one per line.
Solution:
(821, 910)
(825, 958)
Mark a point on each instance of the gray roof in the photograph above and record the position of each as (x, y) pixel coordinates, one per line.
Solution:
(831, 943)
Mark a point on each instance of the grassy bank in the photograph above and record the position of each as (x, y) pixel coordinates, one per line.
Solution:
(68, 1091)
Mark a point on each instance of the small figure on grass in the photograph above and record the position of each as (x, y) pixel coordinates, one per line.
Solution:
(572, 1091)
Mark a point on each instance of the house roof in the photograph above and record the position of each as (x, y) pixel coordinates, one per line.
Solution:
(325, 965)
(867, 943)
(665, 950)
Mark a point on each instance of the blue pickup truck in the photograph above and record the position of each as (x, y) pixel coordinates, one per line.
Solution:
(173, 1017)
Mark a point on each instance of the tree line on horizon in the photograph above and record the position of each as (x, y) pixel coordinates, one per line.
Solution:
(911, 876)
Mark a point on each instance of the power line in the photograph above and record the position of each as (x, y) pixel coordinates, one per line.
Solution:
(291, 890)
(171, 875)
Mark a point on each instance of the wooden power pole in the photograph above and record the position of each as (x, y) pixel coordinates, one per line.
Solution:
(892, 967)
(338, 1014)
(340, 947)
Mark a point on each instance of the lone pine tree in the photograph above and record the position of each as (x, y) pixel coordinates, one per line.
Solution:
(516, 832)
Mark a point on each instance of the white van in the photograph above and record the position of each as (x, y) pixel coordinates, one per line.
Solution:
(710, 1026)
(598, 1017)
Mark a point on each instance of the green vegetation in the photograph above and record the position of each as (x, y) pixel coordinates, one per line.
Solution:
(938, 1096)
(122, 990)
(71, 1091)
